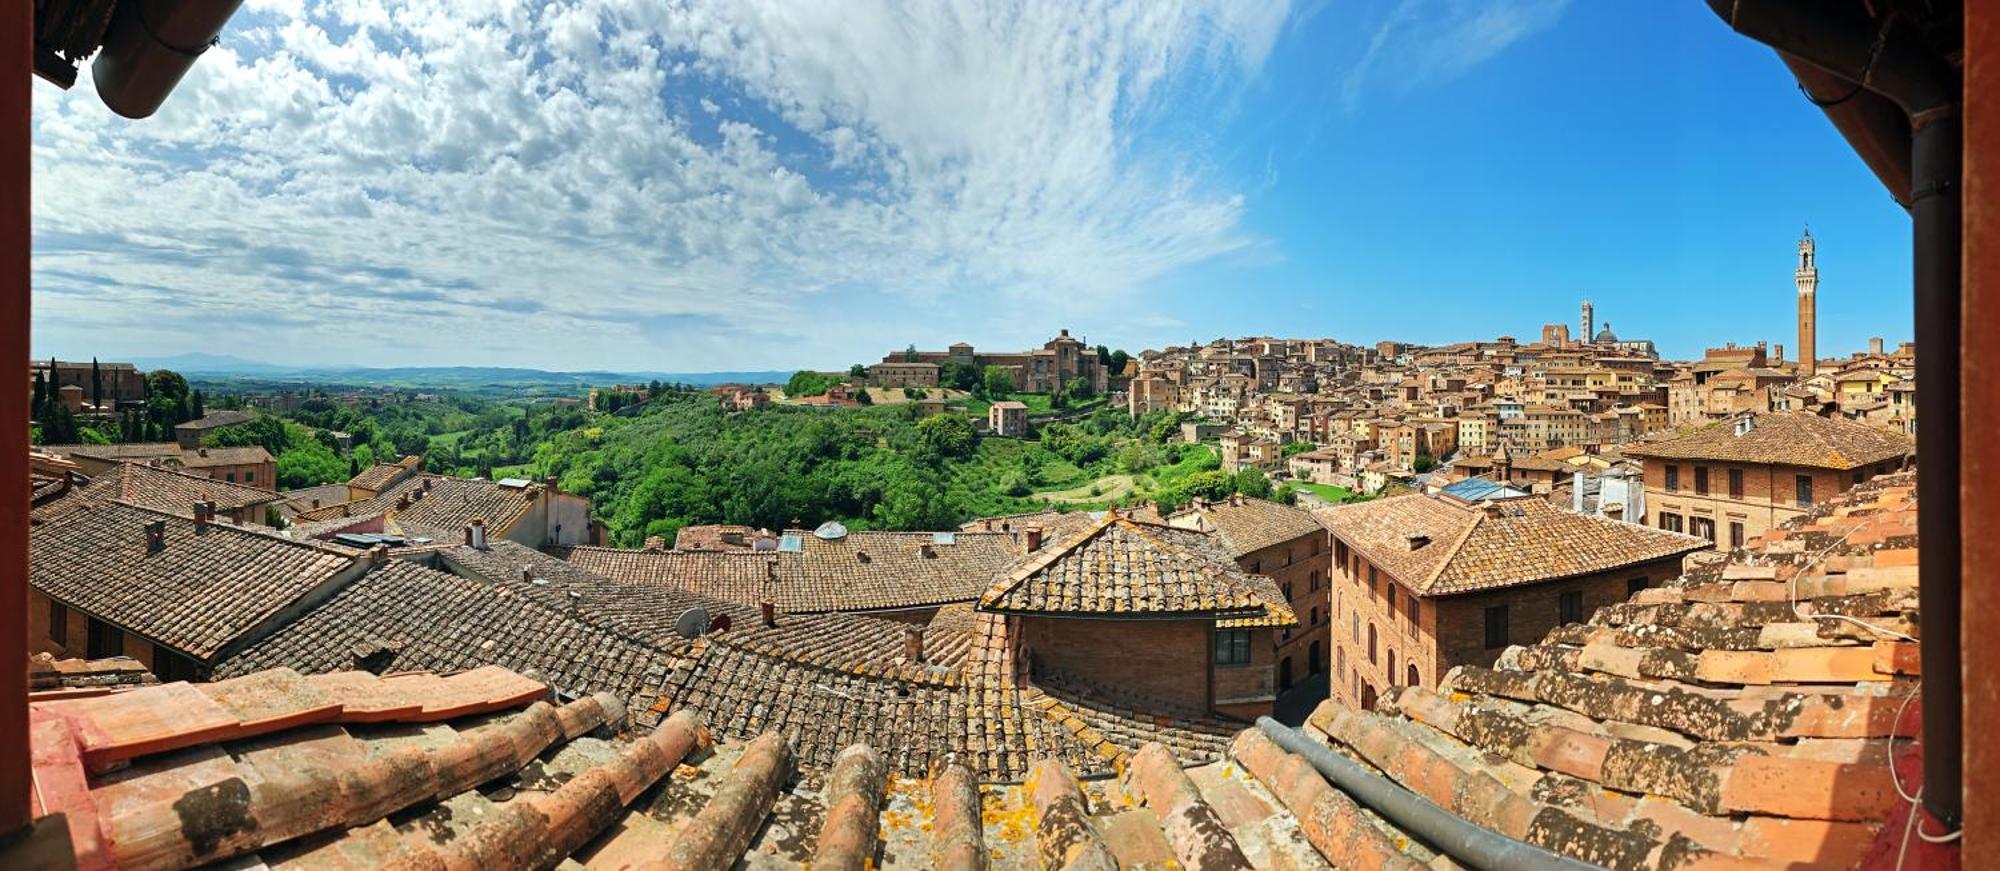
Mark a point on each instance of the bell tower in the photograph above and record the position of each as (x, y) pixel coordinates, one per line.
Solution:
(1589, 324)
(1807, 277)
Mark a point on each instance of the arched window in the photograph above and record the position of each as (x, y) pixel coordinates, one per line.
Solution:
(1416, 680)
(1392, 666)
(1371, 643)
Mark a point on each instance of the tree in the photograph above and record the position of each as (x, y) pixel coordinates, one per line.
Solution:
(957, 375)
(96, 385)
(946, 436)
(1423, 463)
(1251, 482)
(41, 396)
(1119, 360)
(806, 383)
(861, 396)
(857, 371)
(199, 411)
(910, 354)
(999, 381)
(1079, 388)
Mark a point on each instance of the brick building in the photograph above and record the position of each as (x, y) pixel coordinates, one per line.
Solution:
(1056, 363)
(1007, 418)
(1150, 612)
(1729, 481)
(1422, 584)
(899, 374)
(121, 382)
(1288, 546)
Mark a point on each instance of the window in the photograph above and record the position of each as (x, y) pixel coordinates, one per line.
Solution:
(1670, 522)
(1803, 483)
(229, 476)
(1315, 618)
(1857, 476)
(170, 666)
(104, 640)
(1371, 644)
(1371, 580)
(1735, 533)
(1701, 480)
(1735, 483)
(1415, 679)
(1355, 618)
(1569, 607)
(1496, 627)
(58, 622)
(1633, 586)
(1392, 666)
(1702, 526)
(1232, 647)
(1288, 591)
(1340, 655)
(1673, 478)
(1416, 612)
(1313, 579)
(1391, 591)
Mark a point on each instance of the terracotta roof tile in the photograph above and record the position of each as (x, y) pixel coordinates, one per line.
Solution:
(1121, 568)
(1786, 438)
(1438, 546)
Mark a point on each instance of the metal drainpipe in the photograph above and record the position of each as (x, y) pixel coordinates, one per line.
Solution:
(1462, 841)
(1937, 152)
(1896, 65)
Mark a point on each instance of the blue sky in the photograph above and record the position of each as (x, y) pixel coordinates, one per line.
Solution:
(631, 185)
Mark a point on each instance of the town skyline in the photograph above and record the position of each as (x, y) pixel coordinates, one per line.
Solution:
(1235, 190)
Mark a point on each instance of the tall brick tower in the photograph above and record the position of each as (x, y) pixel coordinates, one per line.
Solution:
(1808, 281)
(1589, 324)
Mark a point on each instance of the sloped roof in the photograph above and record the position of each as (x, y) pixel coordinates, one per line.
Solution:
(1709, 716)
(204, 590)
(483, 769)
(1250, 525)
(437, 506)
(1439, 547)
(1784, 438)
(170, 490)
(1120, 568)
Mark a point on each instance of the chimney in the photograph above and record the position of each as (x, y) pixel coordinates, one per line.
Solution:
(527, 574)
(913, 644)
(403, 502)
(553, 483)
(770, 612)
(655, 543)
(204, 514)
(156, 536)
(378, 554)
(1034, 534)
(1576, 491)
(927, 550)
(475, 534)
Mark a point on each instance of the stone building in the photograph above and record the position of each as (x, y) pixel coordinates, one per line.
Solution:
(1731, 480)
(902, 374)
(1007, 418)
(1056, 363)
(121, 382)
(1423, 584)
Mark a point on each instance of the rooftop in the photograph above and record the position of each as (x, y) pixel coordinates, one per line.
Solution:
(1119, 568)
(205, 588)
(1439, 546)
(1784, 438)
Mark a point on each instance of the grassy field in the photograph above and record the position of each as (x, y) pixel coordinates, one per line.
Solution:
(1103, 490)
(1329, 493)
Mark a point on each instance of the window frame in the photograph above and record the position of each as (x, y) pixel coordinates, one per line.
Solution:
(1495, 627)
(1232, 647)
(1569, 607)
(59, 623)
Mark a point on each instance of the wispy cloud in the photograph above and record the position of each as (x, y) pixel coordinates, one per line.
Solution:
(1422, 43)
(638, 184)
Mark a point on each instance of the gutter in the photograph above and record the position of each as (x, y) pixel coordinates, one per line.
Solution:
(1464, 842)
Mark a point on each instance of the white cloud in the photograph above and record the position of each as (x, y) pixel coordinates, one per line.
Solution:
(1421, 43)
(630, 184)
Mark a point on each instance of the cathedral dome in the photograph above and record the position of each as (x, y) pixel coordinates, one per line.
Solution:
(1606, 335)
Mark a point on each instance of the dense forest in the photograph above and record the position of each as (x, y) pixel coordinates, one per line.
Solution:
(668, 456)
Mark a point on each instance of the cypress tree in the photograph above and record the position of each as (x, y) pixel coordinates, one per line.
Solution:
(96, 384)
(199, 411)
(41, 396)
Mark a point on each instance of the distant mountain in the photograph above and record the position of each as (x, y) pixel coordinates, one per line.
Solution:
(224, 365)
(208, 364)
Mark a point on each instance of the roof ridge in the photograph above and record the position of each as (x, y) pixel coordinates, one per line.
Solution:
(1457, 544)
(313, 544)
(1041, 560)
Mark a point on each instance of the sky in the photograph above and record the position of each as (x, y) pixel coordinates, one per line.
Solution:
(639, 185)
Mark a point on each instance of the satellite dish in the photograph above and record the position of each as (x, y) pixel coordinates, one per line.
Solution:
(692, 622)
(831, 530)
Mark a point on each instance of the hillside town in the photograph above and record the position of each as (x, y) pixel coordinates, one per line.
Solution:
(1523, 522)
(1556, 600)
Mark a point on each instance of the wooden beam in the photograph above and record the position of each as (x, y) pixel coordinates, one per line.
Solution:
(1979, 391)
(17, 47)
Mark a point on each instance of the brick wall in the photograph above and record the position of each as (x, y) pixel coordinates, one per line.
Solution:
(1162, 659)
(1769, 495)
(1303, 566)
(1449, 631)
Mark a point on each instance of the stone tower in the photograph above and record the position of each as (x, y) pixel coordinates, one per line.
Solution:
(1808, 281)
(1589, 323)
